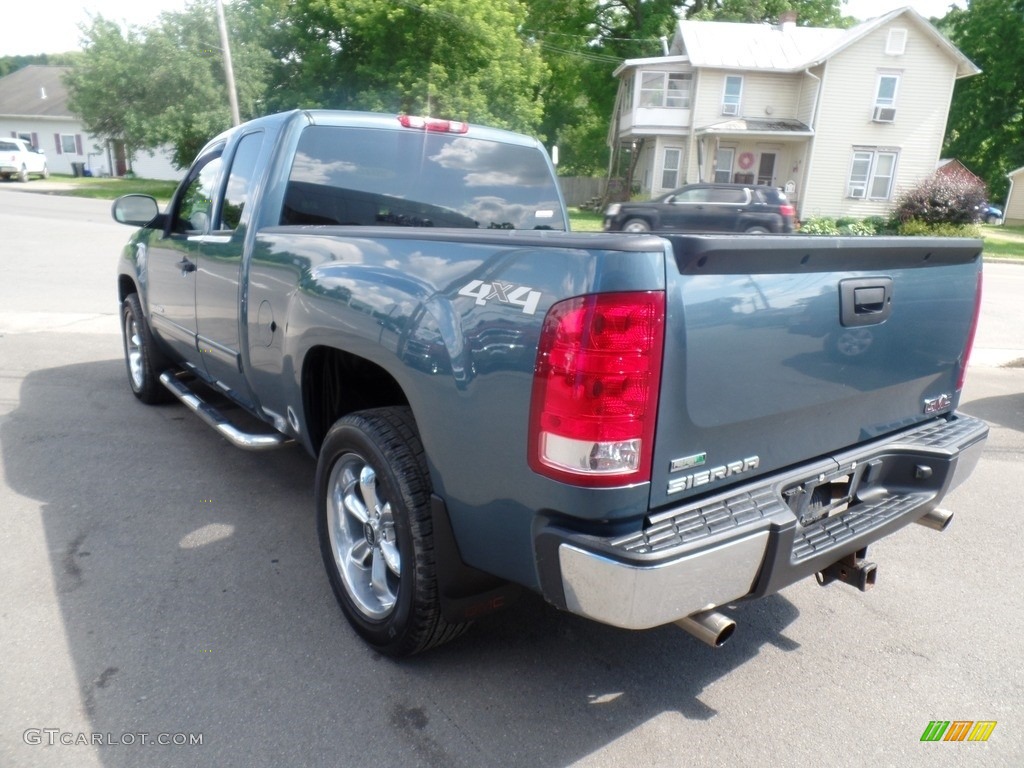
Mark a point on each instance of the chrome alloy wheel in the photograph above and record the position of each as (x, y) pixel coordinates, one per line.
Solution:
(363, 537)
(133, 350)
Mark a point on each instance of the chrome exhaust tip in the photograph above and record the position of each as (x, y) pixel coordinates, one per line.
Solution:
(936, 519)
(710, 627)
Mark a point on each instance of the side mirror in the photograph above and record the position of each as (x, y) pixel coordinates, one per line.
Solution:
(135, 210)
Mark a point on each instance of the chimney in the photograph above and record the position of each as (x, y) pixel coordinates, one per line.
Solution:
(787, 20)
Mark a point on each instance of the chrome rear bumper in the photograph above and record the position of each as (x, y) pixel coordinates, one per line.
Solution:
(747, 541)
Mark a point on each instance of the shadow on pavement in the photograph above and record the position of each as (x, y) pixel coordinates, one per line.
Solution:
(1002, 411)
(194, 601)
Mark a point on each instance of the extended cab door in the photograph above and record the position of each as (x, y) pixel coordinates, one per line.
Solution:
(219, 298)
(172, 260)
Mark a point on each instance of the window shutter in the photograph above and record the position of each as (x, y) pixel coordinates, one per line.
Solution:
(35, 139)
(56, 139)
(78, 143)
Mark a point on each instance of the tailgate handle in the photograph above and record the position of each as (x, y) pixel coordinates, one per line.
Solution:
(865, 301)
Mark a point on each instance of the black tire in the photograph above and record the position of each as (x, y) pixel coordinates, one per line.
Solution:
(143, 360)
(23, 174)
(636, 225)
(46, 171)
(373, 514)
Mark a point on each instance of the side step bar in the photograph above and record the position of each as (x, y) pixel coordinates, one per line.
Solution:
(245, 440)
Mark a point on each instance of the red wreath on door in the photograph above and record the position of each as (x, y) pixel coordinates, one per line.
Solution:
(746, 160)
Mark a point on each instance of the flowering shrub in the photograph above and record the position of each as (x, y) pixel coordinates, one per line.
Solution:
(941, 200)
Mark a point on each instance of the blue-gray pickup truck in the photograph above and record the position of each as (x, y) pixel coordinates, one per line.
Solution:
(642, 429)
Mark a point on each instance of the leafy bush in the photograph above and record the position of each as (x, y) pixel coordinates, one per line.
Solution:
(819, 225)
(925, 229)
(823, 225)
(859, 228)
(882, 225)
(941, 200)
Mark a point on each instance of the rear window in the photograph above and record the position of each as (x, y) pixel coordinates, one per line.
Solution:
(374, 177)
(9, 146)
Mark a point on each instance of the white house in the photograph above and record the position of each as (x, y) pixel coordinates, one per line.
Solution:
(1013, 213)
(843, 119)
(34, 106)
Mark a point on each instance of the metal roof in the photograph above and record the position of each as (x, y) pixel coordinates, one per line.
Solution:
(727, 45)
(35, 91)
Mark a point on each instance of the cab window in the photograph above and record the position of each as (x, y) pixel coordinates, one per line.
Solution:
(195, 205)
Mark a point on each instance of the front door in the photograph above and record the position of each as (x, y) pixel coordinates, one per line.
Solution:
(172, 260)
(220, 273)
(766, 169)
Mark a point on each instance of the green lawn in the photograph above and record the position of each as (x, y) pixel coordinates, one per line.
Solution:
(108, 189)
(585, 221)
(1004, 242)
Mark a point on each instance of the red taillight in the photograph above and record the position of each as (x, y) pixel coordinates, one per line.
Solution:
(433, 124)
(595, 389)
(787, 210)
(966, 356)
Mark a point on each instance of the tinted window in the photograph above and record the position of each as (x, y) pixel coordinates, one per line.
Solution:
(698, 195)
(728, 195)
(9, 146)
(240, 180)
(366, 176)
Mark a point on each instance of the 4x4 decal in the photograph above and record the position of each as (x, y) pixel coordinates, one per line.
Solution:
(506, 293)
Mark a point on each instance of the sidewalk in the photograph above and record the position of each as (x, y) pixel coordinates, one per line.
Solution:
(46, 186)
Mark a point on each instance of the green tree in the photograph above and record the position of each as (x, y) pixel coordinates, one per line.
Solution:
(986, 119)
(10, 64)
(810, 13)
(582, 42)
(107, 86)
(164, 84)
(462, 59)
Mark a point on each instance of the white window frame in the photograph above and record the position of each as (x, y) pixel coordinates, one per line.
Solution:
(64, 138)
(663, 95)
(720, 168)
(678, 97)
(865, 176)
(896, 42)
(669, 168)
(652, 96)
(885, 106)
(731, 102)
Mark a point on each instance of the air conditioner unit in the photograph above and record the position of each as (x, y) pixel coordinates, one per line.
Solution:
(884, 114)
(730, 109)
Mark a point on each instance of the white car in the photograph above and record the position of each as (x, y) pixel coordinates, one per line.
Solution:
(17, 158)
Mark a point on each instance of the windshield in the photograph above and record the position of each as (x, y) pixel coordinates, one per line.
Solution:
(374, 177)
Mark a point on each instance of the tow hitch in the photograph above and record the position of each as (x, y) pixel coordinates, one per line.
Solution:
(852, 570)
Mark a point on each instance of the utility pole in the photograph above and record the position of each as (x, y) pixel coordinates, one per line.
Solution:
(229, 71)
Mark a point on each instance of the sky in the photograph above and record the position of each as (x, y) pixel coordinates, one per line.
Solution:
(52, 26)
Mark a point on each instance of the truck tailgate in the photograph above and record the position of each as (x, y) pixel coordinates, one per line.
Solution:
(785, 349)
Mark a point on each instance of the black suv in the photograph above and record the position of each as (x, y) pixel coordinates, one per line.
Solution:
(706, 208)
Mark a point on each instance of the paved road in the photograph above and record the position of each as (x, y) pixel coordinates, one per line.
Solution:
(156, 581)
